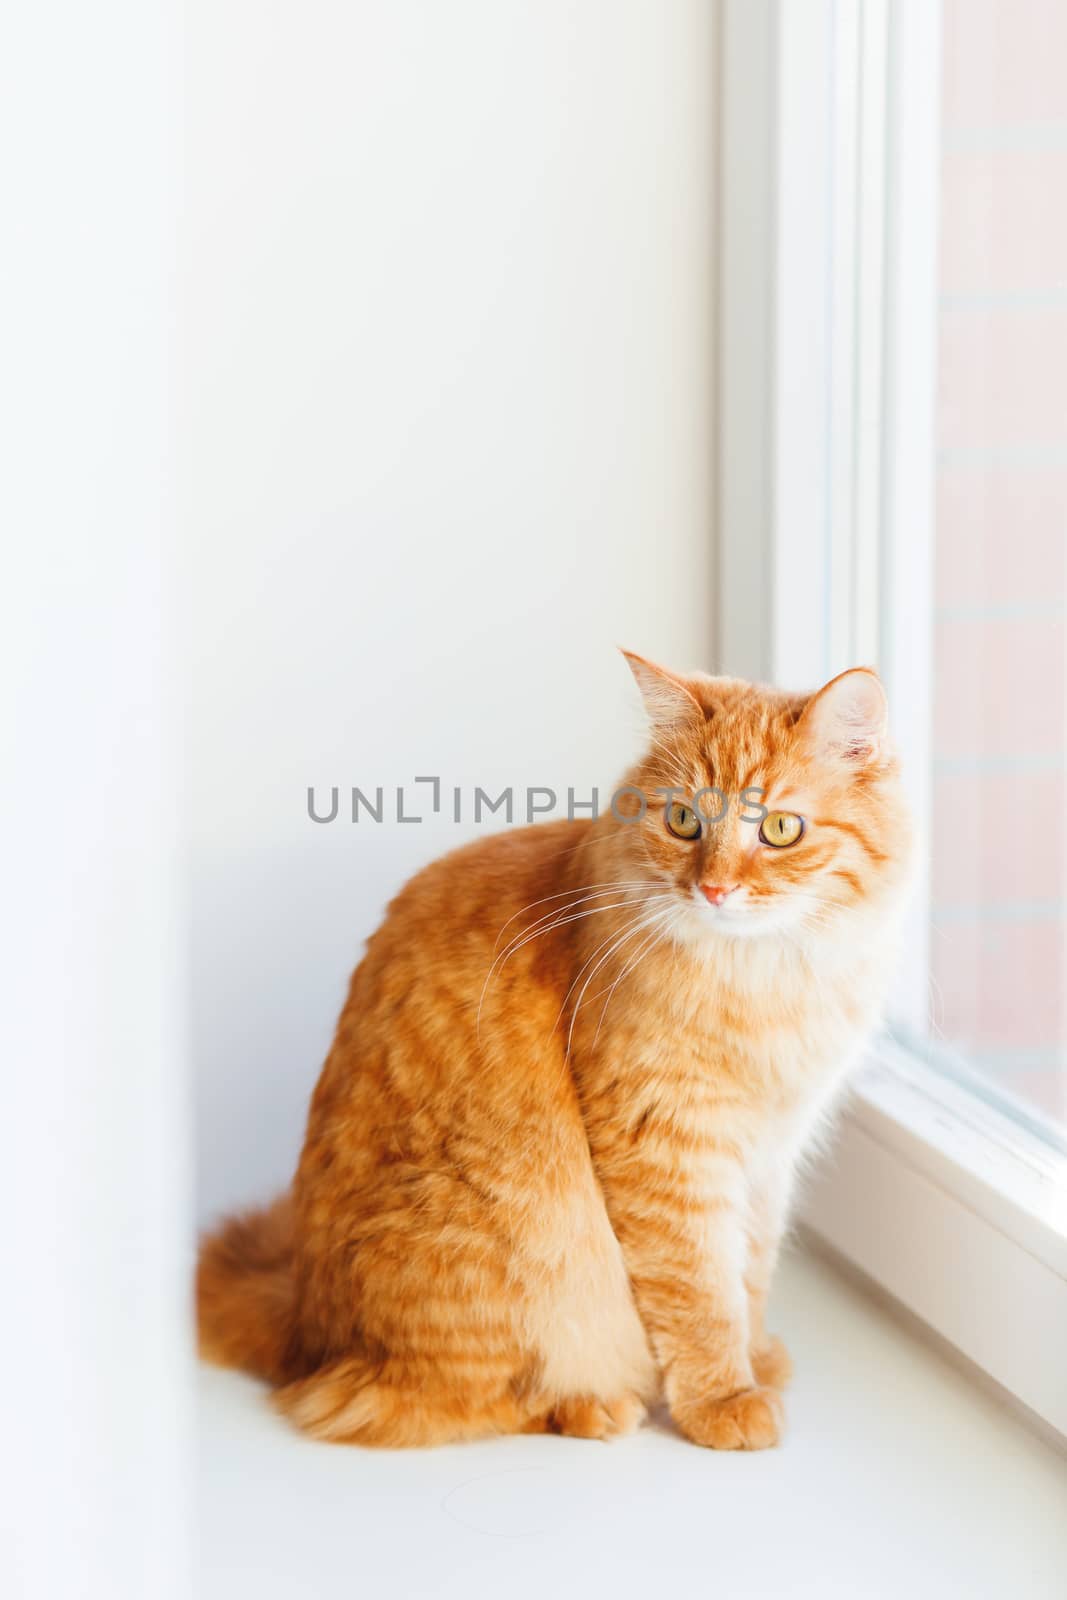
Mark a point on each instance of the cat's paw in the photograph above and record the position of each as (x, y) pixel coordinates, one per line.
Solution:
(771, 1363)
(748, 1420)
(584, 1417)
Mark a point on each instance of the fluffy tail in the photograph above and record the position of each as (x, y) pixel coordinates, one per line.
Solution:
(356, 1401)
(245, 1303)
(244, 1293)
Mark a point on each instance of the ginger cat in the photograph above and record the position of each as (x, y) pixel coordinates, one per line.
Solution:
(549, 1159)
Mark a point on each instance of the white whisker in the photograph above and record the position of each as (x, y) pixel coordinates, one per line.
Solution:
(562, 915)
(621, 940)
(578, 976)
(552, 920)
(607, 886)
(664, 922)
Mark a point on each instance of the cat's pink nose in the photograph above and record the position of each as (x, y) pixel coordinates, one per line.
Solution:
(716, 893)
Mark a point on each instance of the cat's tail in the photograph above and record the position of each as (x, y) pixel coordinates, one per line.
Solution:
(245, 1292)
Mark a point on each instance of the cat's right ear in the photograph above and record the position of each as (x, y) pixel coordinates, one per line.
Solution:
(668, 699)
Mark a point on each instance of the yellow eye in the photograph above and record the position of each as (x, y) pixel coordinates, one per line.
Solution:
(780, 828)
(683, 821)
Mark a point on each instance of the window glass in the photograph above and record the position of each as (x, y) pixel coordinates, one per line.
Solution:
(999, 826)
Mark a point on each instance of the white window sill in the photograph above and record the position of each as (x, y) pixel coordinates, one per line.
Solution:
(958, 1214)
(897, 1477)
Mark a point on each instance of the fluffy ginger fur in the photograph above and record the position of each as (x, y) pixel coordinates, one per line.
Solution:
(549, 1159)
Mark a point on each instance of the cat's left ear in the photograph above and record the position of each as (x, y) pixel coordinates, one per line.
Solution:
(848, 720)
(668, 699)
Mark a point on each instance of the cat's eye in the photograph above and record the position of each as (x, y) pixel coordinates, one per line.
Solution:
(780, 828)
(683, 821)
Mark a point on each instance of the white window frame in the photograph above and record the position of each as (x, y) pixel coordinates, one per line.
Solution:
(828, 208)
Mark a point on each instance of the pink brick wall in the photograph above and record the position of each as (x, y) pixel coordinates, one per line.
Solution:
(1000, 702)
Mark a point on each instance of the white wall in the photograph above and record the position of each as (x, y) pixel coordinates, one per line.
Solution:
(94, 1339)
(449, 372)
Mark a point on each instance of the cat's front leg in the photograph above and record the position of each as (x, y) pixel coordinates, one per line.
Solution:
(767, 1218)
(682, 1224)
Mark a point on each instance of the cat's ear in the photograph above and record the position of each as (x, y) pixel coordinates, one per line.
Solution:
(668, 699)
(848, 720)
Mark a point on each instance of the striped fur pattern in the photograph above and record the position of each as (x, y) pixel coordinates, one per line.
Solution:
(551, 1154)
